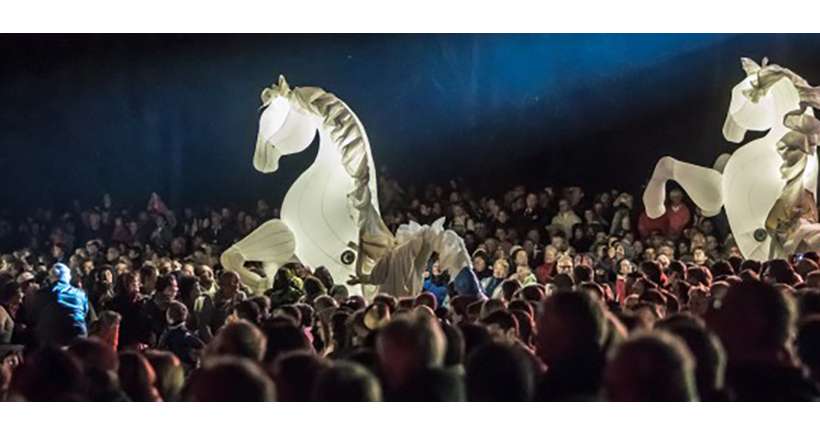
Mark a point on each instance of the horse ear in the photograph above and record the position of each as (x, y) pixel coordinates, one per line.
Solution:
(750, 66)
(283, 85)
(267, 95)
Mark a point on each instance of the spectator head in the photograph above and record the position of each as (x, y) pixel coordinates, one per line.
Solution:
(291, 312)
(563, 282)
(501, 269)
(569, 325)
(339, 293)
(490, 306)
(107, 328)
(281, 338)
(137, 377)
(407, 345)
(313, 288)
(676, 270)
(229, 282)
(751, 265)
(169, 372)
(502, 325)
(148, 277)
(808, 302)
(699, 276)
(508, 288)
(377, 315)
(805, 266)
(295, 374)
(48, 374)
(390, 301)
(706, 349)
(813, 279)
(780, 271)
(735, 262)
(231, 378)
(426, 299)
(240, 338)
(176, 313)
(523, 305)
(534, 293)
(455, 345)
(653, 366)
(526, 326)
(189, 289)
(593, 289)
(167, 287)
(307, 314)
(582, 273)
(499, 372)
(347, 381)
(324, 276)
(474, 311)
(128, 284)
(722, 268)
(355, 302)
(756, 322)
(92, 353)
(808, 344)
(564, 265)
(249, 311)
(652, 270)
(205, 275)
(475, 335)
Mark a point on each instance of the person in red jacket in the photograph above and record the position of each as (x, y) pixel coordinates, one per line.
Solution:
(545, 272)
(677, 214)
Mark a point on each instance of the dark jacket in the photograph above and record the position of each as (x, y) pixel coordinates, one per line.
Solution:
(761, 382)
(62, 310)
(187, 346)
(135, 327)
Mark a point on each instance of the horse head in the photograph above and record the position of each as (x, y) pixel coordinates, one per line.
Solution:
(285, 127)
(761, 100)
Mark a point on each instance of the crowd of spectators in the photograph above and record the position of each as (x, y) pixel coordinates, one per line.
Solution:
(585, 298)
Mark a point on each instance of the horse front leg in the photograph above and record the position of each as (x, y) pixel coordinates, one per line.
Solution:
(703, 185)
(272, 244)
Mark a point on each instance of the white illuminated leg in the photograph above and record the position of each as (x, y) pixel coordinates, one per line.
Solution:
(703, 185)
(272, 244)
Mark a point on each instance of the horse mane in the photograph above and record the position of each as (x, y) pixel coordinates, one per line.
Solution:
(804, 127)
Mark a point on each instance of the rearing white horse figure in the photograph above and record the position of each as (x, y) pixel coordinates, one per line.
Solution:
(330, 205)
(767, 186)
(330, 216)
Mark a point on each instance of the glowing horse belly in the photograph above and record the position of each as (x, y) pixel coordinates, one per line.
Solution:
(317, 211)
(751, 186)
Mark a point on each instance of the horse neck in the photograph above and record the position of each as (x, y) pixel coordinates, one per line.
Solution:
(343, 137)
(786, 99)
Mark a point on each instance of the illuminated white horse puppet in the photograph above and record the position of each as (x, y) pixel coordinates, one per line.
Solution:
(767, 186)
(330, 216)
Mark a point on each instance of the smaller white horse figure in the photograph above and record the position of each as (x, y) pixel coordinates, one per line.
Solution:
(767, 186)
(330, 215)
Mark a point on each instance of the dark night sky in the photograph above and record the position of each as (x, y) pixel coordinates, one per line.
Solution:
(82, 115)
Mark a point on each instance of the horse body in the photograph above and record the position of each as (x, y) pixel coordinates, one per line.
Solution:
(763, 182)
(321, 192)
(330, 215)
(751, 184)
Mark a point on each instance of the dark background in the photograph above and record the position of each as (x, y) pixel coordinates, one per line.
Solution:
(81, 115)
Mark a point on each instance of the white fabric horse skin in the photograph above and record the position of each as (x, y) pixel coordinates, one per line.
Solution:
(330, 215)
(767, 186)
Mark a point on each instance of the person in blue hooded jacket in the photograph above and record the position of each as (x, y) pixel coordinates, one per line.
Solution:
(63, 310)
(436, 282)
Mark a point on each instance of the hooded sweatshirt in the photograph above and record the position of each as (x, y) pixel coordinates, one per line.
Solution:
(64, 313)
